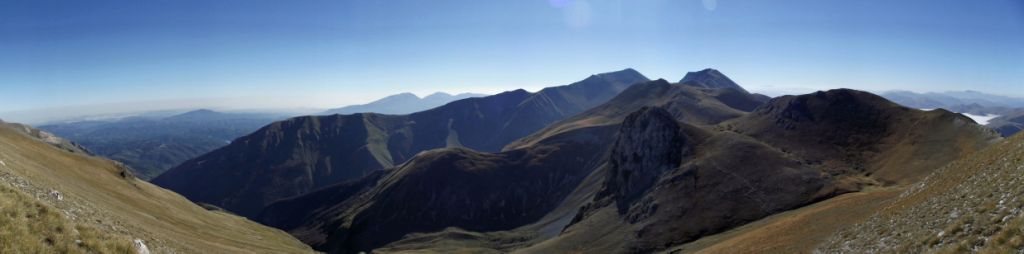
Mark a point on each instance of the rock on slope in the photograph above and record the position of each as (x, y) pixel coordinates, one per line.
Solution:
(295, 156)
(31, 226)
(971, 205)
(102, 194)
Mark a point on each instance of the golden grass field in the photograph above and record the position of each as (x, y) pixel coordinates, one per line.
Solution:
(96, 193)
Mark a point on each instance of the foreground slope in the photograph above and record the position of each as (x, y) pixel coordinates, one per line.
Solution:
(296, 156)
(972, 204)
(46, 137)
(31, 226)
(97, 193)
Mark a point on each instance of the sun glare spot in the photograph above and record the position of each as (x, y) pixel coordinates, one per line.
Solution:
(710, 4)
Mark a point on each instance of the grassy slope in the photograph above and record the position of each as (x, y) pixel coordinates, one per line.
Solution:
(29, 226)
(95, 193)
(972, 204)
(790, 232)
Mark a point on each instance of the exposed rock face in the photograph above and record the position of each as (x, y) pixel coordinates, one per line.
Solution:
(649, 144)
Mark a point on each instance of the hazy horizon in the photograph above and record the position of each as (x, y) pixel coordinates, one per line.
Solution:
(86, 58)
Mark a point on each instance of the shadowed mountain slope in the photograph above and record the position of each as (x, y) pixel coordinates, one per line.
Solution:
(853, 130)
(442, 188)
(657, 166)
(293, 157)
(559, 163)
(699, 106)
(1008, 125)
(101, 197)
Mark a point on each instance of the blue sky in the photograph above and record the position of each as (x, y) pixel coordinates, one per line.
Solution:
(61, 55)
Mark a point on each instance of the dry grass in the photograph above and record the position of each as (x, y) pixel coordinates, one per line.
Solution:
(971, 205)
(796, 231)
(95, 194)
(29, 226)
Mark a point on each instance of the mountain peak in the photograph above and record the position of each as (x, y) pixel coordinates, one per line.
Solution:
(199, 113)
(438, 95)
(836, 104)
(624, 74)
(405, 95)
(710, 78)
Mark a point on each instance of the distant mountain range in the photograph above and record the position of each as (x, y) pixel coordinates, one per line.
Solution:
(1001, 113)
(403, 103)
(655, 167)
(614, 163)
(293, 157)
(151, 145)
(952, 98)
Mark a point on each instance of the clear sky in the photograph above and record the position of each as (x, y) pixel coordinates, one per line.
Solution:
(61, 55)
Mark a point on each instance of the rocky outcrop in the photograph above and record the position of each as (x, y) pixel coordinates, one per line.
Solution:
(649, 144)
